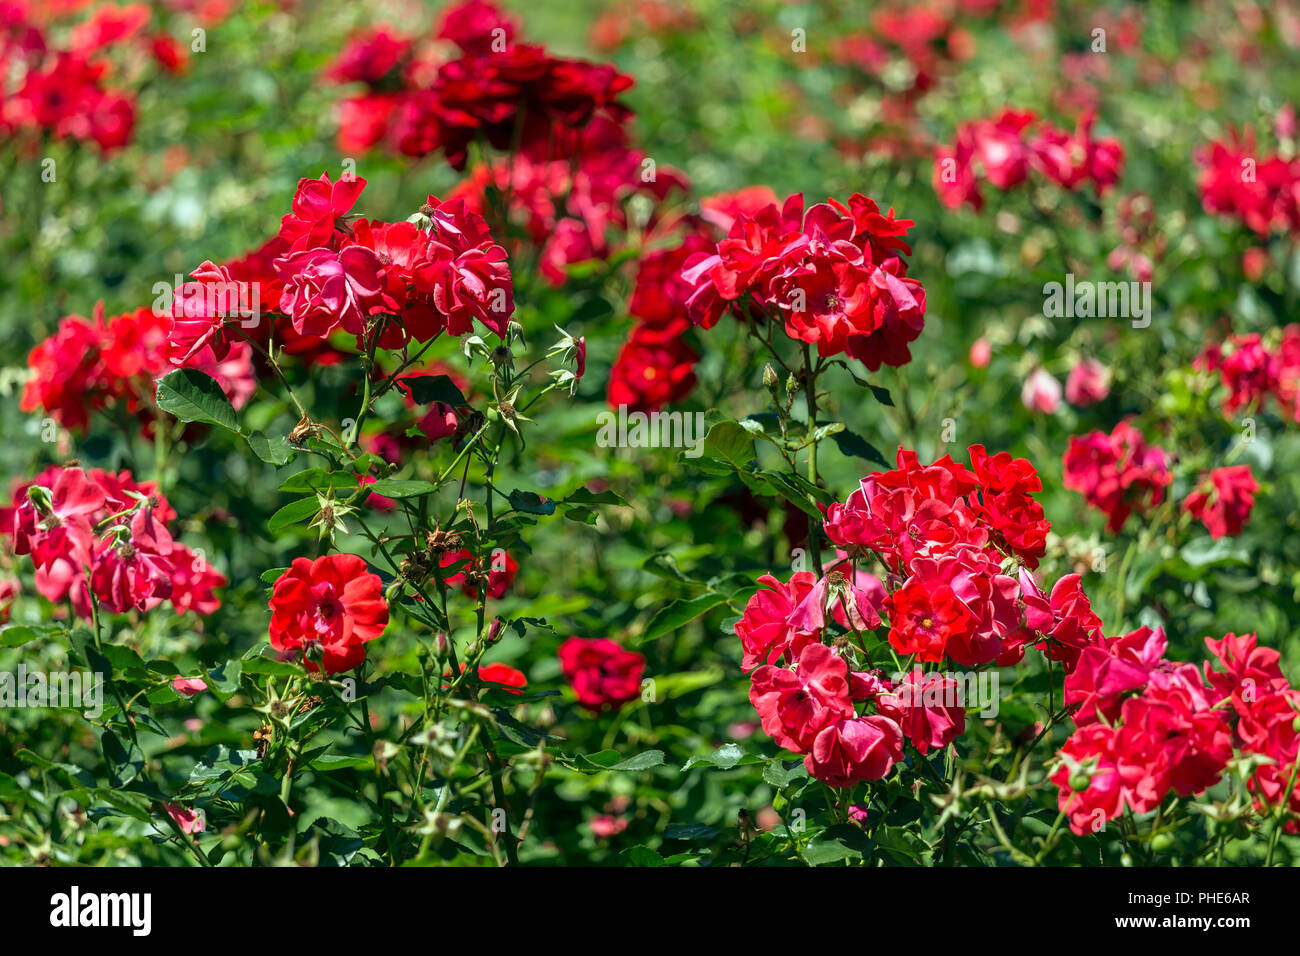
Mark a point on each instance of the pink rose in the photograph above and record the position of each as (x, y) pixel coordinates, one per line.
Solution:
(1041, 393)
(1088, 384)
(189, 686)
(324, 289)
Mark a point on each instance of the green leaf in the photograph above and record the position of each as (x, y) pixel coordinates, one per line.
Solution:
(690, 831)
(786, 486)
(327, 763)
(338, 843)
(521, 734)
(15, 635)
(531, 503)
(219, 761)
(224, 680)
(1206, 552)
(585, 496)
(724, 758)
(679, 614)
(731, 442)
(401, 488)
(427, 389)
(191, 396)
(292, 513)
(124, 761)
(640, 856)
(853, 445)
(663, 565)
(317, 479)
(840, 842)
(254, 663)
(131, 804)
(779, 775)
(274, 451)
(881, 394)
(70, 771)
(610, 760)
(9, 788)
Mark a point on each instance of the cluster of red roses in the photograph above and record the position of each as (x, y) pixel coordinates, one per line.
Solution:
(99, 363)
(1262, 192)
(106, 534)
(501, 573)
(1222, 500)
(506, 94)
(943, 532)
(656, 366)
(926, 35)
(568, 193)
(61, 91)
(1147, 725)
(324, 611)
(1003, 150)
(835, 274)
(635, 19)
(1117, 473)
(604, 675)
(1142, 244)
(1253, 372)
(439, 275)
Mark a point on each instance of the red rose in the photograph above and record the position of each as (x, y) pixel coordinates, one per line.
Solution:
(601, 673)
(765, 631)
(928, 708)
(1089, 757)
(855, 749)
(502, 571)
(325, 611)
(513, 680)
(471, 25)
(1223, 500)
(922, 618)
(317, 207)
(655, 368)
(325, 290)
(795, 705)
(1074, 623)
(1117, 473)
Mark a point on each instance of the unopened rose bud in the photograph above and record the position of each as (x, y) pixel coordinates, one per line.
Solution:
(1079, 781)
(441, 645)
(313, 651)
(494, 631)
(40, 497)
(769, 377)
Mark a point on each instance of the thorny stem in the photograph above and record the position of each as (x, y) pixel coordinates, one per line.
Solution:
(810, 398)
